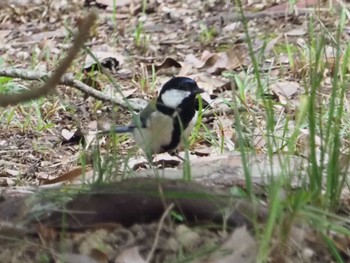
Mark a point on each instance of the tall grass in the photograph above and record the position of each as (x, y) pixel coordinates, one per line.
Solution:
(324, 117)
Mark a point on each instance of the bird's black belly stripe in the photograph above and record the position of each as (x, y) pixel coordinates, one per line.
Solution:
(184, 115)
(176, 137)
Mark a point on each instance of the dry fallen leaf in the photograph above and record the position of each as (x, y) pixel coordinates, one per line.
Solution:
(166, 63)
(216, 63)
(194, 61)
(224, 131)
(209, 83)
(303, 146)
(99, 256)
(296, 32)
(285, 90)
(229, 60)
(240, 247)
(69, 176)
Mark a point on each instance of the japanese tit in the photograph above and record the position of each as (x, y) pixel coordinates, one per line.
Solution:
(168, 120)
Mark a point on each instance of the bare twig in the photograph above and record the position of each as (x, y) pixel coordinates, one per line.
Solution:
(234, 17)
(68, 80)
(54, 79)
(159, 228)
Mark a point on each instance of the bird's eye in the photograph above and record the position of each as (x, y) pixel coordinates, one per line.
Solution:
(187, 86)
(184, 87)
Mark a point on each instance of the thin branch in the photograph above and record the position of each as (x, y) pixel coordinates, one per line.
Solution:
(67, 80)
(159, 228)
(54, 79)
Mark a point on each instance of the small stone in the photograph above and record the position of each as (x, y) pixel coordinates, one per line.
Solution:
(307, 254)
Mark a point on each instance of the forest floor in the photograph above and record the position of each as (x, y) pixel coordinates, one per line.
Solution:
(143, 44)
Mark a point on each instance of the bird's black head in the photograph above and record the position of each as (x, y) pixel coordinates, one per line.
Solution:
(177, 91)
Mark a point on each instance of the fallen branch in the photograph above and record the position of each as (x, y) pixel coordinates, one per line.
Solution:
(67, 80)
(123, 203)
(55, 78)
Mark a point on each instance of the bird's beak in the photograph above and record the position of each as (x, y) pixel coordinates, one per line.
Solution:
(198, 90)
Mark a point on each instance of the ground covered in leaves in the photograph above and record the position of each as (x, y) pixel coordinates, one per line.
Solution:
(142, 44)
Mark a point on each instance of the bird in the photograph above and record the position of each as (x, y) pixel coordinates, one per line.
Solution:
(164, 124)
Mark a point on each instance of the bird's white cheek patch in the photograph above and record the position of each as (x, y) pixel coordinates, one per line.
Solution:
(173, 98)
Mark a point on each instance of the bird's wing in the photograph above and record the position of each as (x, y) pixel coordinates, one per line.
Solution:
(145, 114)
(139, 120)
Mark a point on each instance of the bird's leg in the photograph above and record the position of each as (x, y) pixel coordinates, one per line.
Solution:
(176, 154)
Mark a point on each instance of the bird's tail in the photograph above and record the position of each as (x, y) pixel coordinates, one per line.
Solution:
(120, 129)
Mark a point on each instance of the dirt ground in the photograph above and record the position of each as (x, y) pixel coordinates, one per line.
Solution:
(148, 44)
